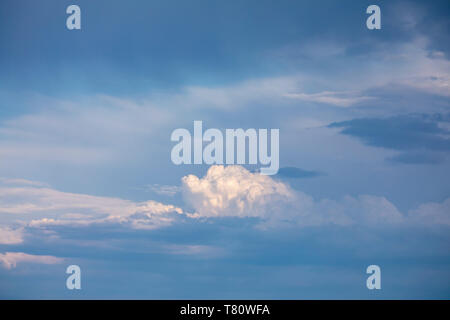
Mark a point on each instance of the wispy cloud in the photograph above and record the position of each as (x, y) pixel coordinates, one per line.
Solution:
(235, 192)
(340, 99)
(9, 260)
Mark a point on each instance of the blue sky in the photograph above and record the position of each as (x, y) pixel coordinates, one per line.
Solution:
(85, 170)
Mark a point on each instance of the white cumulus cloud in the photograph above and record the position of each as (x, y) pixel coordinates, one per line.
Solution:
(234, 191)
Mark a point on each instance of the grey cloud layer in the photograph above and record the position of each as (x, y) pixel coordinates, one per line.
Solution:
(422, 138)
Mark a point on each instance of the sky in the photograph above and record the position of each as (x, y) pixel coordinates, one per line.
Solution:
(86, 176)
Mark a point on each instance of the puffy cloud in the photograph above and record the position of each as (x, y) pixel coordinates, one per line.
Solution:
(233, 191)
(11, 236)
(10, 259)
(32, 200)
(53, 133)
